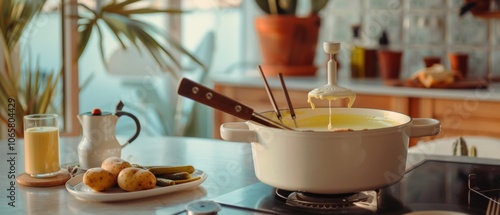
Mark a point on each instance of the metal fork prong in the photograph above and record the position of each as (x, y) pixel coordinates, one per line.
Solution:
(493, 207)
(489, 208)
(496, 207)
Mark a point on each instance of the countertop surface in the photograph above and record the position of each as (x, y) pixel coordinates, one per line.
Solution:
(227, 164)
(373, 86)
(229, 167)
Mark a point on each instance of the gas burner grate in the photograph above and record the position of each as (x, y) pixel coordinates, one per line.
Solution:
(491, 193)
(367, 200)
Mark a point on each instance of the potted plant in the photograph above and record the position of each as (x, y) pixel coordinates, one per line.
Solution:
(287, 41)
(33, 90)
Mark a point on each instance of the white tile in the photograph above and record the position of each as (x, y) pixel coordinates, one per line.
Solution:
(495, 63)
(455, 4)
(342, 5)
(385, 4)
(376, 21)
(467, 30)
(424, 28)
(426, 4)
(496, 32)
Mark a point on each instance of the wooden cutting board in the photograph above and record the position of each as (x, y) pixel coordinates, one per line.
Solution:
(26, 180)
(462, 84)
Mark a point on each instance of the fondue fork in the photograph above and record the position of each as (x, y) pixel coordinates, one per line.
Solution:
(270, 95)
(288, 101)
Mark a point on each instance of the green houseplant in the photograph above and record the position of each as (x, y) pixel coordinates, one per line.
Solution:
(33, 90)
(287, 41)
(23, 89)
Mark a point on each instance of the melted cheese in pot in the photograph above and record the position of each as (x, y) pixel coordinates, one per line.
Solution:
(342, 122)
(330, 98)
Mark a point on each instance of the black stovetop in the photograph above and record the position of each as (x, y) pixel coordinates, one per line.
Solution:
(438, 183)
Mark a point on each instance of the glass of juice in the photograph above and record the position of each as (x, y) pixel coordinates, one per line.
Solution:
(41, 145)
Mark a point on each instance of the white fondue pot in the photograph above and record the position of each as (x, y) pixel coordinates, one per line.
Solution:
(331, 162)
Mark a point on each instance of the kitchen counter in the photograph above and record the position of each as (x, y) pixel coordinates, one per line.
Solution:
(227, 164)
(360, 86)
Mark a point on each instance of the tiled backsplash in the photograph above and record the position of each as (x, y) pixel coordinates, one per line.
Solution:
(419, 27)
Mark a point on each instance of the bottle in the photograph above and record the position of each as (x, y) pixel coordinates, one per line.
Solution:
(389, 58)
(357, 53)
(363, 58)
(383, 41)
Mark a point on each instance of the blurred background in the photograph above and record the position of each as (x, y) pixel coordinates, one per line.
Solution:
(221, 35)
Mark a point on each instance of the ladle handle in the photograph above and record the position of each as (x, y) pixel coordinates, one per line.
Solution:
(331, 48)
(332, 71)
(207, 96)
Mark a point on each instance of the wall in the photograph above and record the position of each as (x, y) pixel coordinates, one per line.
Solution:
(420, 28)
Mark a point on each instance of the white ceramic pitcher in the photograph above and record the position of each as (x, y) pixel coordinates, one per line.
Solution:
(99, 141)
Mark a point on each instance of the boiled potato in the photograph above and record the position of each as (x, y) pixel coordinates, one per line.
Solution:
(135, 179)
(99, 179)
(115, 165)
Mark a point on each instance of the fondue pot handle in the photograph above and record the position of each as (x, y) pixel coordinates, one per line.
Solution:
(421, 127)
(237, 132)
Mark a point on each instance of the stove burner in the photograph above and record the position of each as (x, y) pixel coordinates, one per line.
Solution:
(347, 201)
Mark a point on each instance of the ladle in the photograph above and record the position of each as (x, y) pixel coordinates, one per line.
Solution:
(331, 90)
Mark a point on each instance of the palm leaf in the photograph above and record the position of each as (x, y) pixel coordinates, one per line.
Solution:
(152, 11)
(8, 74)
(20, 15)
(101, 45)
(123, 4)
(85, 37)
(31, 90)
(117, 28)
(117, 17)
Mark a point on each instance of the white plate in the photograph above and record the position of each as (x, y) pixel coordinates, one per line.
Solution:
(487, 147)
(76, 187)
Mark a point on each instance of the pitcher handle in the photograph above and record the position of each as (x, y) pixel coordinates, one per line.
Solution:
(137, 126)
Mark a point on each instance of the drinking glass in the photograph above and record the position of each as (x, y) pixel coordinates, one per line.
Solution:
(41, 145)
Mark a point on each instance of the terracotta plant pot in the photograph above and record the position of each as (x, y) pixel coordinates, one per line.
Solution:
(459, 64)
(389, 64)
(482, 6)
(288, 42)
